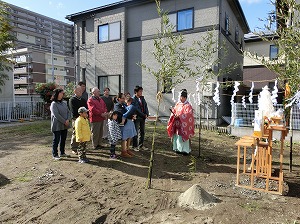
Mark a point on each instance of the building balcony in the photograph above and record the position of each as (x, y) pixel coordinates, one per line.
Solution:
(59, 82)
(21, 91)
(22, 70)
(57, 72)
(23, 59)
(21, 80)
(55, 62)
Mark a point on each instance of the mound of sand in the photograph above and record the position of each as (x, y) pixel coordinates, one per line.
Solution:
(197, 198)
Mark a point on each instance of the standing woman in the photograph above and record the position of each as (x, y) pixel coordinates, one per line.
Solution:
(128, 130)
(181, 125)
(59, 123)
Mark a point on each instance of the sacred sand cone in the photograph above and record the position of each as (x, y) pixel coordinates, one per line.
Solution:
(196, 198)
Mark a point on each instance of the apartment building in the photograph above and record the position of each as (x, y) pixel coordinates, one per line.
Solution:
(35, 66)
(40, 42)
(110, 40)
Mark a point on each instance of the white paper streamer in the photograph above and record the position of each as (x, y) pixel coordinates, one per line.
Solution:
(189, 99)
(179, 93)
(194, 98)
(244, 101)
(216, 97)
(251, 93)
(197, 86)
(294, 99)
(274, 94)
(236, 89)
(199, 99)
(173, 95)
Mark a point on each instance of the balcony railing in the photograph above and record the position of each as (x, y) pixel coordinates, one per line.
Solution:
(21, 91)
(23, 59)
(57, 72)
(22, 70)
(55, 62)
(21, 80)
(58, 82)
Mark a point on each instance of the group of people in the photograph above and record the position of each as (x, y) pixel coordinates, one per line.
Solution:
(98, 117)
(120, 118)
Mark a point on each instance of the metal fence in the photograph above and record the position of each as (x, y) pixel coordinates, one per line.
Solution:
(27, 110)
(243, 117)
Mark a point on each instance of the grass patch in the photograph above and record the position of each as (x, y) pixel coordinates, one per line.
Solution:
(25, 177)
(251, 207)
(36, 128)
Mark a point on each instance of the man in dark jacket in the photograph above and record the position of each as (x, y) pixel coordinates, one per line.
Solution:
(75, 102)
(140, 103)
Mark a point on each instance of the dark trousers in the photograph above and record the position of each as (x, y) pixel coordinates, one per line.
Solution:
(59, 137)
(112, 149)
(74, 144)
(138, 140)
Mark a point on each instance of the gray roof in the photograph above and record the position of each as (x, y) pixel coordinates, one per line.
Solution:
(126, 3)
(254, 37)
(88, 13)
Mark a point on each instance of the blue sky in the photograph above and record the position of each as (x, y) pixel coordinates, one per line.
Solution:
(58, 9)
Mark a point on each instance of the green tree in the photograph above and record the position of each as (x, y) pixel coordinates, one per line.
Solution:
(45, 90)
(176, 62)
(6, 43)
(287, 38)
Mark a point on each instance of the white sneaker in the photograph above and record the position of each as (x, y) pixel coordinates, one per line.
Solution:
(136, 149)
(56, 157)
(143, 148)
(65, 155)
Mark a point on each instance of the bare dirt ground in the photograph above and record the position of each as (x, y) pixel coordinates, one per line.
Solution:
(36, 189)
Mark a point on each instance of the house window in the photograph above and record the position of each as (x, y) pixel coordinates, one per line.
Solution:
(111, 81)
(182, 20)
(83, 32)
(185, 19)
(103, 33)
(109, 32)
(241, 45)
(237, 35)
(227, 25)
(273, 52)
(271, 85)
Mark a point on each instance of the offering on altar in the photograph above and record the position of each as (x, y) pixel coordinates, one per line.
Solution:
(265, 102)
(258, 124)
(277, 116)
(262, 115)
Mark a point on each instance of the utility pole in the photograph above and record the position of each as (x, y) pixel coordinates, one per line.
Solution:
(52, 62)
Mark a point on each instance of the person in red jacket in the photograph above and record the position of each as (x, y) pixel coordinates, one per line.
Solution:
(97, 114)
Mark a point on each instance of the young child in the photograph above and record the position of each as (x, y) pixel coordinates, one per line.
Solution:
(131, 110)
(114, 133)
(83, 133)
